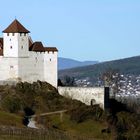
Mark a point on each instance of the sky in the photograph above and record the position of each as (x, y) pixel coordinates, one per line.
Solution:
(100, 30)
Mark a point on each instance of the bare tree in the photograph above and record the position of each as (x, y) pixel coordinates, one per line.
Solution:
(111, 78)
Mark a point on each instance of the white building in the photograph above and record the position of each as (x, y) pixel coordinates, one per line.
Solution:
(21, 59)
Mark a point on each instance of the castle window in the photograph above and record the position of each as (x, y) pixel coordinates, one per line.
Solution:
(20, 34)
(24, 34)
(13, 34)
(50, 59)
(36, 59)
(21, 47)
(11, 67)
(53, 52)
(7, 34)
(11, 47)
(10, 39)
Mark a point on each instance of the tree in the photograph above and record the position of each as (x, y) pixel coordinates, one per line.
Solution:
(60, 82)
(69, 81)
(111, 78)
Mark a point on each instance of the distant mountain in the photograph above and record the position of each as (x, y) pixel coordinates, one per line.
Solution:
(125, 66)
(66, 63)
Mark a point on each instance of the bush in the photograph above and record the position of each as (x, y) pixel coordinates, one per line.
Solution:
(11, 104)
(84, 112)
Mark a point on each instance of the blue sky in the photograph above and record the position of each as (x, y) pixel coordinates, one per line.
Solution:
(81, 29)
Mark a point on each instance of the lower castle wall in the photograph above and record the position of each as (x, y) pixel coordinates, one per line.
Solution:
(38, 66)
(87, 95)
(8, 68)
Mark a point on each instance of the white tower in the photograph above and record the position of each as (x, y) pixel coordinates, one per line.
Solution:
(50, 65)
(16, 43)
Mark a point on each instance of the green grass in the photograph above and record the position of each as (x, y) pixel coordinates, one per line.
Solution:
(10, 119)
(88, 128)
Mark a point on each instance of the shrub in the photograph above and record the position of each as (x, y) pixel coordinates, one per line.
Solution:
(11, 104)
(84, 112)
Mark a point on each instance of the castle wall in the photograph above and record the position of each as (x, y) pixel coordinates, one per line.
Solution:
(8, 68)
(32, 68)
(50, 67)
(87, 95)
(38, 66)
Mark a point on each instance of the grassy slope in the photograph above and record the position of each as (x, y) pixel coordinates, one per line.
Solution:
(88, 128)
(45, 99)
(9, 119)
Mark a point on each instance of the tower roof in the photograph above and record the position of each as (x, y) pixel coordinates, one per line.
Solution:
(16, 27)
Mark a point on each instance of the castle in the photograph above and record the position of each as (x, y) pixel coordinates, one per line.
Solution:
(21, 59)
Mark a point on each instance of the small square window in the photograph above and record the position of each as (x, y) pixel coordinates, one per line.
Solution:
(11, 47)
(24, 34)
(21, 47)
(20, 34)
(13, 34)
(7, 34)
(11, 67)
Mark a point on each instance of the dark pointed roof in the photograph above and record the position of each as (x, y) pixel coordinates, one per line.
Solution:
(16, 27)
(37, 47)
(30, 41)
(1, 42)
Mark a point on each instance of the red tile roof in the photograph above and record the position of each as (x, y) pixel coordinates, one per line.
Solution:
(1, 52)
(37, 47)
(1, 42)
(30, 41)
(49, 49)
(16, 27)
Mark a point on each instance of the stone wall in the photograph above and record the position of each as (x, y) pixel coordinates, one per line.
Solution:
(38, 66)
(88, 95)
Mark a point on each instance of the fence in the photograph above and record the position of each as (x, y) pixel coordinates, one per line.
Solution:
(40, 134)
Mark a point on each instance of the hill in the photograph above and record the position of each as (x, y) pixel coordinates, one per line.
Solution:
(66, 63)
(25, 99)
(79, 122)
(125, 66)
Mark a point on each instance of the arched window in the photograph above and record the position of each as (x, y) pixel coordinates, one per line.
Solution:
(93, 102)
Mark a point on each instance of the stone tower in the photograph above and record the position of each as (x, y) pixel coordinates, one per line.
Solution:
(16, 42)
